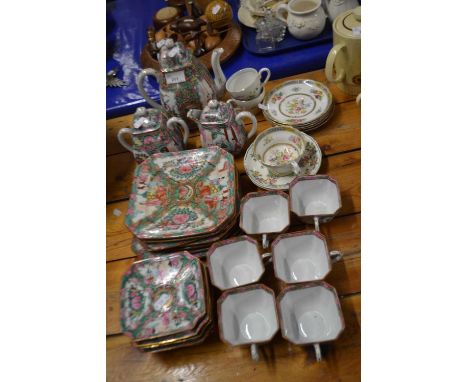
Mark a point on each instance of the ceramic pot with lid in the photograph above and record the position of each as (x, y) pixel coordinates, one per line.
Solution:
(154, 132)
(343, 64)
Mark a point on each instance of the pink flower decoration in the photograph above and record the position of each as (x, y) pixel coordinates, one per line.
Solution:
(190, 290)
(165, 319)
(180, 218)
(185, 169)
(148, 140)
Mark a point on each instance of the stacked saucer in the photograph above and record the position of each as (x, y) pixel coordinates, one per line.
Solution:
(183, 200)
(303, 104)
(165, 302)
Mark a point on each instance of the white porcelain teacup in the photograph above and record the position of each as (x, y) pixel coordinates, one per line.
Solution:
(250, 104)
(302, 256)
(246, 84)
(310, 314)
(315, 198)
(265, 212)
(280, 149)
(234, 262)
(247, 315)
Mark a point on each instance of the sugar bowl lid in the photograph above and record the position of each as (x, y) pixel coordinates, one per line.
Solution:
(348, 24)
(216, 112)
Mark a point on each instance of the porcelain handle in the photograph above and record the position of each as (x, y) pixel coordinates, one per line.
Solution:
(140, 78)
(246, 114)
(254, 352)
(358, 99)
(265, 241)
(295, 168)
(262, 106)
(318, 352)
(317, 223)
(330, 64)
(174, 121)
(268, 257)
(268, 72)
(122, 140)
(336, 256)
(279, 13)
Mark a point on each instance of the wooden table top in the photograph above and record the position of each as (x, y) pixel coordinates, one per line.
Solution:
(340, 142)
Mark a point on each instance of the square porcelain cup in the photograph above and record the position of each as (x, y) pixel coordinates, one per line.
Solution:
(247, 316)
(315, 198)
(310, 314)
(235, 262)
(263, 213)
(280, 149)
(302, 257)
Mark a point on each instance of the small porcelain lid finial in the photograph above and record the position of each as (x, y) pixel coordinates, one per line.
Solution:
(213, 104)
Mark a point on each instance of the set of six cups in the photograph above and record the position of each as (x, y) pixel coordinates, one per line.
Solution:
(308, 311)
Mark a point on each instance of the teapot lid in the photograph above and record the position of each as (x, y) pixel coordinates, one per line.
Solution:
(216, 112)
(173, 56)
(146, 120)
(348, 24)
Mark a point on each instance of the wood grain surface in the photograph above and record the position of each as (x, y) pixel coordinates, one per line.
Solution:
(213, 360)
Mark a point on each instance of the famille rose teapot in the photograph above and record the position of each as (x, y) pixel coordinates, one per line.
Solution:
(184, 82)
(154, 132)
(219, 125)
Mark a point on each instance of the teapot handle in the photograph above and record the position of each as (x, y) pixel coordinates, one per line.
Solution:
(174, 121)
(246, 114)
(122, 140)
(140, 78)
(331, 63)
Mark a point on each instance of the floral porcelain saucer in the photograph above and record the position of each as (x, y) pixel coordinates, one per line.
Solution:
(261, 177)
(297, 102)
(162, 295)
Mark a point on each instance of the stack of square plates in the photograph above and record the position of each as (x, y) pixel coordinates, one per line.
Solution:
(183, 200)
(303, 104)
(165, 302)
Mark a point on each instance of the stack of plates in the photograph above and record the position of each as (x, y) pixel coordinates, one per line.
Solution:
(183, 200)
(302, 104)
(165, 302)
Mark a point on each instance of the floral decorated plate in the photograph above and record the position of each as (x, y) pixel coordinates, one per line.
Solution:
(261, 177)
(182, 194)
(297, 102)
(162, 296)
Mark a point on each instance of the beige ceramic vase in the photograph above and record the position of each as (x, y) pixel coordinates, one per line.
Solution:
(343, 64)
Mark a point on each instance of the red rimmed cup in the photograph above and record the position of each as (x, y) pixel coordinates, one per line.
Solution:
(310, 314)
(235, 262)
(263, 213)
(302, 257)
(315, 199)
(248, 316)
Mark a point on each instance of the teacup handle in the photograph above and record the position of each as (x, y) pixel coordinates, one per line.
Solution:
(174, 121)
(140, 78)
(280, 11)
(254, 352)
(262, 106)
(268, 257)
(330, 64)
(268, 72)
(246, 114)
(122, 140)
(336, 256)
(265, 241)
(318, 352)
(296, 168)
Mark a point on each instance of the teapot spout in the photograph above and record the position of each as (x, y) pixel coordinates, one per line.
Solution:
(219, 77)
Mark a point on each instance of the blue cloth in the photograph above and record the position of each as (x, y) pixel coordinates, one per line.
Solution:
(127, 21)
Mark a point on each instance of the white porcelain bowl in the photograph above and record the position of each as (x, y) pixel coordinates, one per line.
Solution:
(247, 315)
(235, 262)
(301, 257)
(264, 212)
(316, 195)
(310, 313)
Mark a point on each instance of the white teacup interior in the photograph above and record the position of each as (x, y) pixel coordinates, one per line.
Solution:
(265, 214)
(277, 147)
(301, 258)
(249, 317)
(241, 80)
(235, 264)
(315, 197)
(310, 315)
